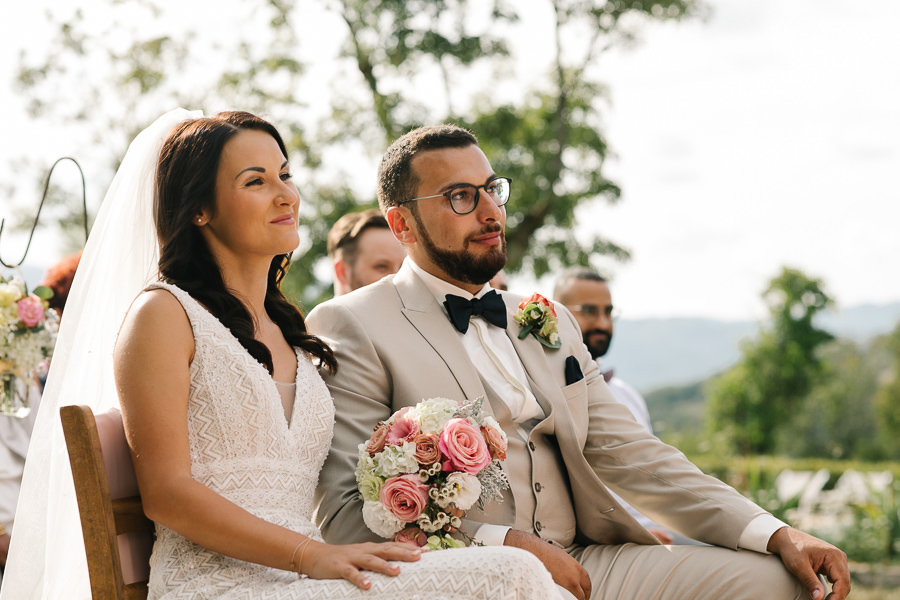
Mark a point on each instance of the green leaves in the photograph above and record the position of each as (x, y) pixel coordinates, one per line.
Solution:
(757, 399)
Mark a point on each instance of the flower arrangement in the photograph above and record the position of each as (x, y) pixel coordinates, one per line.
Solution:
(425, 466)
(27, 336)
(538, 317)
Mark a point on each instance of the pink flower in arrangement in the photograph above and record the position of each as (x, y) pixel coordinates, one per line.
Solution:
(405, 496)
(30, 310)
(378, 439)
(402, 430)
(495, 442)
(537, 298)
(464, 447)
(411, 534)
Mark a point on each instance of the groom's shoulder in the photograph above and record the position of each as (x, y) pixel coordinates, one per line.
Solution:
(374, 298)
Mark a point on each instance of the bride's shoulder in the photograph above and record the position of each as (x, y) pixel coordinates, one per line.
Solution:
(159, 311)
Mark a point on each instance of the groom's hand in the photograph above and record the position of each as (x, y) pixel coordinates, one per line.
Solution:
(566, 571)
(807, 557)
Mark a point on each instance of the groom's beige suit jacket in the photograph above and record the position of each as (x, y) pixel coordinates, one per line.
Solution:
(395, 346)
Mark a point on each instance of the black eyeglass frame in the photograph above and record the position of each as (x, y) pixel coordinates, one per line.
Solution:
(449, 194)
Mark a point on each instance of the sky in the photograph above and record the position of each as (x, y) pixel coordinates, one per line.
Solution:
(767, 135)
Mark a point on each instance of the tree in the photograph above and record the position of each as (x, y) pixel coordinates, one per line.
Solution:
(417, 61)
(836, 418)
(548, 141)
(757, 397)
(888, 401)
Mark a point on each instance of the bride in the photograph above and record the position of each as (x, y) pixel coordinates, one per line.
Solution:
(226, 416)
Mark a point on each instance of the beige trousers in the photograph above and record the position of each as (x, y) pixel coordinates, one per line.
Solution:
(636, 572)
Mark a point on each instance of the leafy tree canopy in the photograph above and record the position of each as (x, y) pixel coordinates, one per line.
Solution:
(402, 63)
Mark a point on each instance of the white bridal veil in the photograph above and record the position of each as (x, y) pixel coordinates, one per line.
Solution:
(46, 559)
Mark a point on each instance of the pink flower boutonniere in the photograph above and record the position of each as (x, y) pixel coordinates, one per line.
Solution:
(538, 317)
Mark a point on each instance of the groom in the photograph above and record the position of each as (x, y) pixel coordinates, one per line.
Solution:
(570, 442)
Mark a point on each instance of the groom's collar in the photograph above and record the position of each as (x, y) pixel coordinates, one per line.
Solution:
(440, 288)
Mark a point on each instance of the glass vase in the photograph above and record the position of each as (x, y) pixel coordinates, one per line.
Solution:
(13, 396)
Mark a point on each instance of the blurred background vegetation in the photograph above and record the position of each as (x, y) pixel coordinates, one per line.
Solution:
(402, 63)
(798, 398)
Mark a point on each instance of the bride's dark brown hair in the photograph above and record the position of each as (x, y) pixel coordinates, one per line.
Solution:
(186, 186)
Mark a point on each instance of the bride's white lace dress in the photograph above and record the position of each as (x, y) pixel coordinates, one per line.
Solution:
(243, 448)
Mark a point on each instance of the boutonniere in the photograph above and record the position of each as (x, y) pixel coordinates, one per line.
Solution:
(538, 317)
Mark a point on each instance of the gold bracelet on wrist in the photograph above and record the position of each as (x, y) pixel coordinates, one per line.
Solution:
(294, 553)
(300, 562)
(3, 530)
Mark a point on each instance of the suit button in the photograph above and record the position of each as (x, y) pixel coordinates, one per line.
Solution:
(538, 526)
(537, 486)
(531, 445)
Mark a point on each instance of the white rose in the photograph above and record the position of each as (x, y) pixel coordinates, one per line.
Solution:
(381, 520)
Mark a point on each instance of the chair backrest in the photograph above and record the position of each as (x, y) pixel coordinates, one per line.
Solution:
(118, 537)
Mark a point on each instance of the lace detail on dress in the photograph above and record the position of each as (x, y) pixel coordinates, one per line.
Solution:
(242, 447)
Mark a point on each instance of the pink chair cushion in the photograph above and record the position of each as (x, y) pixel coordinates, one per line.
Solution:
(135, 547)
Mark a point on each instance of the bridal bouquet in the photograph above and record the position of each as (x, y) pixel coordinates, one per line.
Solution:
(27, 336)
(425, 466)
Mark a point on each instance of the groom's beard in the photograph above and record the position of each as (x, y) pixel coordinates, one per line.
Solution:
(462, 265)
(597, 341)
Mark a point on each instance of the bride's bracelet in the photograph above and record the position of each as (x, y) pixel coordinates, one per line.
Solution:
(294, 553)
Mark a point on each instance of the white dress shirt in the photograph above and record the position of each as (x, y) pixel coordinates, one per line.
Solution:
(490, 349)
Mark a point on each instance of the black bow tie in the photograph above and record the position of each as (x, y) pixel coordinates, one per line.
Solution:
(490, 306)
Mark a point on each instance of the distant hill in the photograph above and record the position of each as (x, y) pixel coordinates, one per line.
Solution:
(652, 353)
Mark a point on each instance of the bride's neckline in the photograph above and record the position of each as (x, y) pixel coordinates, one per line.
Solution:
(285, 382)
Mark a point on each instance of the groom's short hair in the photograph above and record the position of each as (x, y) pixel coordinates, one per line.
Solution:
(396, 180)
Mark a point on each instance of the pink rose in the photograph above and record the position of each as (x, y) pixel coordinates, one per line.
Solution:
(31, 310)
(405, 496)
(403, 429)
(411, 535)
(535, 297)
(495, 442)
(464, 447)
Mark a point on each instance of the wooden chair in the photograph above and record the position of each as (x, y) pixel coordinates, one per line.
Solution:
(118, 537)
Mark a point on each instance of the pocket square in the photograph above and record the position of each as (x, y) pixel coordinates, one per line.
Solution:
(573, 371)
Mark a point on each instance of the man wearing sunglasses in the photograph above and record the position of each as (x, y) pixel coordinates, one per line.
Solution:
(437, 329)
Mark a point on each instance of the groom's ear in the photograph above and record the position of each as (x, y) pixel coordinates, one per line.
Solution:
(401, 224)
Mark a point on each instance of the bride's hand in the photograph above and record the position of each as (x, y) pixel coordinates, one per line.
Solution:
(328, 561)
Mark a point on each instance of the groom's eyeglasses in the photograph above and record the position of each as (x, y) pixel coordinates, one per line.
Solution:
(592, 311)
(464, 197)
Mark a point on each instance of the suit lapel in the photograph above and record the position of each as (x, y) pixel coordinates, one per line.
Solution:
(427, 317)
(533, 355)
